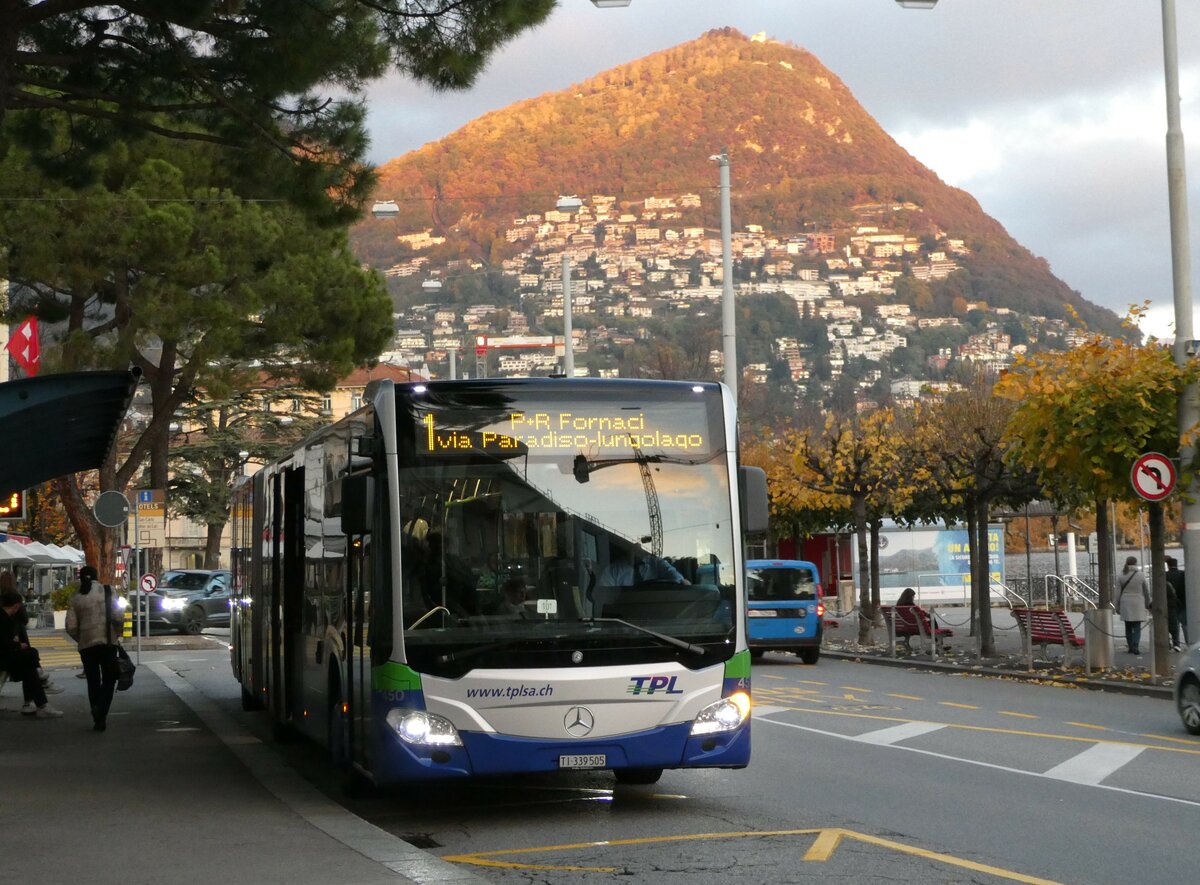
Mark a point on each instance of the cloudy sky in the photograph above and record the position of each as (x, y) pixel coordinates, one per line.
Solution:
(1052, 113)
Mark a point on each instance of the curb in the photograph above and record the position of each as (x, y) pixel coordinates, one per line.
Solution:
(1162, 692)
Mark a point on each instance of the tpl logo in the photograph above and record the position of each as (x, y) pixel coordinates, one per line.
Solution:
(652, 684)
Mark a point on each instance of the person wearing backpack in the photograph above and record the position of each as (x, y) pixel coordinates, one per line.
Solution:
(1133, 602)
(92, 621)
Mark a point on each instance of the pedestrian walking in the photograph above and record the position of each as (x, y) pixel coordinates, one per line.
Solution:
(1175, 598)
(92, 621)
(1133, 602)
(19, 660)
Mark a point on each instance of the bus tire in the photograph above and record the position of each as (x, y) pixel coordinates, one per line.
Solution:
(249, 701)
(281, 732)
(637, 775)
(809, 655)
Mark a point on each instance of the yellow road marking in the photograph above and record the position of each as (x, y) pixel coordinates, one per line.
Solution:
(961, 706)
(906, 697)
(1013, 731)
(1086, 725)
(823, 847)
(1022, 715)
(856, 688)
(769, 676)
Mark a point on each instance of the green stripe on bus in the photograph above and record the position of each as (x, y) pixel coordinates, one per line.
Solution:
(738, 667)
(395, 677)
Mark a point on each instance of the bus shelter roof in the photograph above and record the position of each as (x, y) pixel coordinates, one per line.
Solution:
(60, 424)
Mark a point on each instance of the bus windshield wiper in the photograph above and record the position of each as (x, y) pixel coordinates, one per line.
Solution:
(661, 637)
(492, 646)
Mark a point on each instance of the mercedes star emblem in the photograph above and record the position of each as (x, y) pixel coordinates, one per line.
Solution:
(579, 721)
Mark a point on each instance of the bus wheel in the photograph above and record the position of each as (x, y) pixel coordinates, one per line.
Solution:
(810, 655)
(637, 775)
(282, 733)
(249, 701)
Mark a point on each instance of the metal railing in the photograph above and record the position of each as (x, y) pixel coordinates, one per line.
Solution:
(1070, 588)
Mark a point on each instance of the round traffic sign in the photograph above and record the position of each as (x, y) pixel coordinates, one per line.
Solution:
(1153, 476)
(148, 583)
(111, 509)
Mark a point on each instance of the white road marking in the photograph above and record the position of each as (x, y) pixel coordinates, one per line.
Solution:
(887, 736)
(992, 765)
(1095, 763)
(764, 710)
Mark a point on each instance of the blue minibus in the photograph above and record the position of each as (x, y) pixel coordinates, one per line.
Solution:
(784, 608)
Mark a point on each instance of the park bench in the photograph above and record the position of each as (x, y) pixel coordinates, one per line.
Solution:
(1045, 627)
(911, 620)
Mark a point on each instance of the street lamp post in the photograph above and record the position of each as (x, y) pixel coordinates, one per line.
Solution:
(728, 315)
(568, 204)
(1181, 274)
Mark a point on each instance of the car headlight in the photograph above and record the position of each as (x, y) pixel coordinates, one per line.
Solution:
(423, 729)
(725, 715)
(174, 604)
(122, 602)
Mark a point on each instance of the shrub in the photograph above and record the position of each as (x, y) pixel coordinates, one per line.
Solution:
(61, 597)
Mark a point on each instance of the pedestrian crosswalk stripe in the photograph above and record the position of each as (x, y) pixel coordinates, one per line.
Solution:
(1094, 764)
(886, 736)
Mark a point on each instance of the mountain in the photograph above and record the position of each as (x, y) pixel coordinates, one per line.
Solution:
(805, 158)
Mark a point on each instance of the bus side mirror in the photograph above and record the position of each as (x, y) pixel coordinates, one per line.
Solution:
(358, 499)
(752, 492)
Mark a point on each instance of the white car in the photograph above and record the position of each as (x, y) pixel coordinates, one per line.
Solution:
(1187, 689)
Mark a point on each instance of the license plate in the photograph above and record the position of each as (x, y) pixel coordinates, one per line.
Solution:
(595, 760)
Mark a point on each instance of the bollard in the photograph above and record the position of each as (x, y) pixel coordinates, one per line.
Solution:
(1098, 639)
(127, 631)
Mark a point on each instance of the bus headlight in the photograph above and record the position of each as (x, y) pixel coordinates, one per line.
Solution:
(725, 715)
(423, 729)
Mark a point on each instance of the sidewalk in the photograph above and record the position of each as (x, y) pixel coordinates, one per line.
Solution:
(1129, 674)
(175, 791)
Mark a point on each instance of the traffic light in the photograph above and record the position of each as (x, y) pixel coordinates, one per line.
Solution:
(12, 505)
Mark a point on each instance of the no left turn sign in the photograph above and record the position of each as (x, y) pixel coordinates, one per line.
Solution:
(1153, 476)
(148, 583)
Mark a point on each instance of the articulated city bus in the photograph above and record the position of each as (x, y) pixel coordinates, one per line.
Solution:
(504, 575)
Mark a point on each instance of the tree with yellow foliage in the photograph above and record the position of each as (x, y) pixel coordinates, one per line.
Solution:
(856, 457)
(1084, 416)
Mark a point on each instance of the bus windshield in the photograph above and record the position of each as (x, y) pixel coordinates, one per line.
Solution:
(544, 530)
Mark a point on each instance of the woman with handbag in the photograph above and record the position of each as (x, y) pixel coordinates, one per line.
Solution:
(92, 621)
(1133, 602)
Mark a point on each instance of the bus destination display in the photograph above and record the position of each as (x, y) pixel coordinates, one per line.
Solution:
(552, 430)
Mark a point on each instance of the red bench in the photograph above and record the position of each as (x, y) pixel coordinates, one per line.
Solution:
(911, 620)
(1044, 627)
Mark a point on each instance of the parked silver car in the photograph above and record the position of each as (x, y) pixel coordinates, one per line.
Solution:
(1187, 689)
(188, 600)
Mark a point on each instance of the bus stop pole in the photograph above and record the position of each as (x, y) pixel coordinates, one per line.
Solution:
(137, 585)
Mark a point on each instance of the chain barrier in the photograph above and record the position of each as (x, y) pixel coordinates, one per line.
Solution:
(892, 647)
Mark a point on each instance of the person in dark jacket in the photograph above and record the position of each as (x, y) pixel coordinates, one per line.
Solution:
(1175, 596)
(18, 659)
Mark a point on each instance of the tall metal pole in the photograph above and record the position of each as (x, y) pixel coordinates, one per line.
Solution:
(568, 343)
(1181, 272)
(728, 316)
